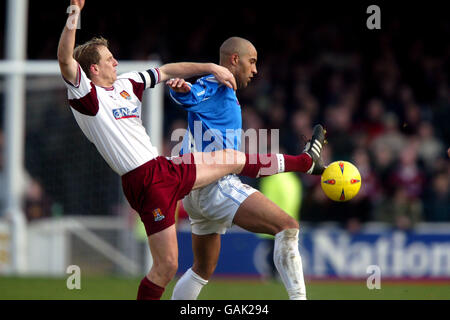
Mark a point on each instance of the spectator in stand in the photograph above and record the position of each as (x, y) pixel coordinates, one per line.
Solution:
(370, 191)
(299, 128)
(338, 122)
(373, 124)
(412, 119)
(391, 138)
(408, 173)
(437, 200)
(402, 205)
(399, 210)
(430, 148)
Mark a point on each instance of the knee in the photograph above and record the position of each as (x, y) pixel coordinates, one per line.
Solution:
(165, 269)
(170, 267)
(284, 223)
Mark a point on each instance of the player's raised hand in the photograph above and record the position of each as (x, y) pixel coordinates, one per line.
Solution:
(79, 3)
(223, 75)
(178, 85)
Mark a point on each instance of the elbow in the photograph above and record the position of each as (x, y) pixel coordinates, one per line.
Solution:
(63, 61)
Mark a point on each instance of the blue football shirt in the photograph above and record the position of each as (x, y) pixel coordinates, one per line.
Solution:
(214, 116)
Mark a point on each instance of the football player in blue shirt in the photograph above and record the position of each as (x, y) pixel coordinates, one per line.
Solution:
(215, 123)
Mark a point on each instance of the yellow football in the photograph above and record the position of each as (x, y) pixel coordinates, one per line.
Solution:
(341, 181)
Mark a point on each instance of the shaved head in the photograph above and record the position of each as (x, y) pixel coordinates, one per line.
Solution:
(234, 45)
(239, 56)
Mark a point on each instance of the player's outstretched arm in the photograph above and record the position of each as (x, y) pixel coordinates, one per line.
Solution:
(191, 69)
(67, 63)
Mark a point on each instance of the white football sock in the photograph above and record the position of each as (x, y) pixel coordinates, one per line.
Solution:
(289, 263)
(188, 286)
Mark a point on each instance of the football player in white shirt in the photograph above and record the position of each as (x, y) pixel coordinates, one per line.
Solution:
(107, 108)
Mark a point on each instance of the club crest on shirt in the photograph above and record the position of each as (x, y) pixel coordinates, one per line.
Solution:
(157, 214)
(125, 95)
(124, 113)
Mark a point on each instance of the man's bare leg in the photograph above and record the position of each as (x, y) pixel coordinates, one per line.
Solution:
(164, 250)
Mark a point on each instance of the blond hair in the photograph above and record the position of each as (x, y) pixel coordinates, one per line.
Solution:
(87, 53)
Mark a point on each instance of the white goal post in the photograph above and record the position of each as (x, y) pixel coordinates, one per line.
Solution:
(14, 70)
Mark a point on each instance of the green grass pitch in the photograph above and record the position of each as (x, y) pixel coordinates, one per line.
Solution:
(111, 288)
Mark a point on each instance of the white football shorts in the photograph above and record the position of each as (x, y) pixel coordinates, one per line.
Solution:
(212, 208)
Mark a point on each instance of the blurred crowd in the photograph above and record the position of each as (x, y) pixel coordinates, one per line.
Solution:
(383, 95)
(385, 104)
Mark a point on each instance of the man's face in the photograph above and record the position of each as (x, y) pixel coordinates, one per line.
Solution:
(107, 65)
(246, 68)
